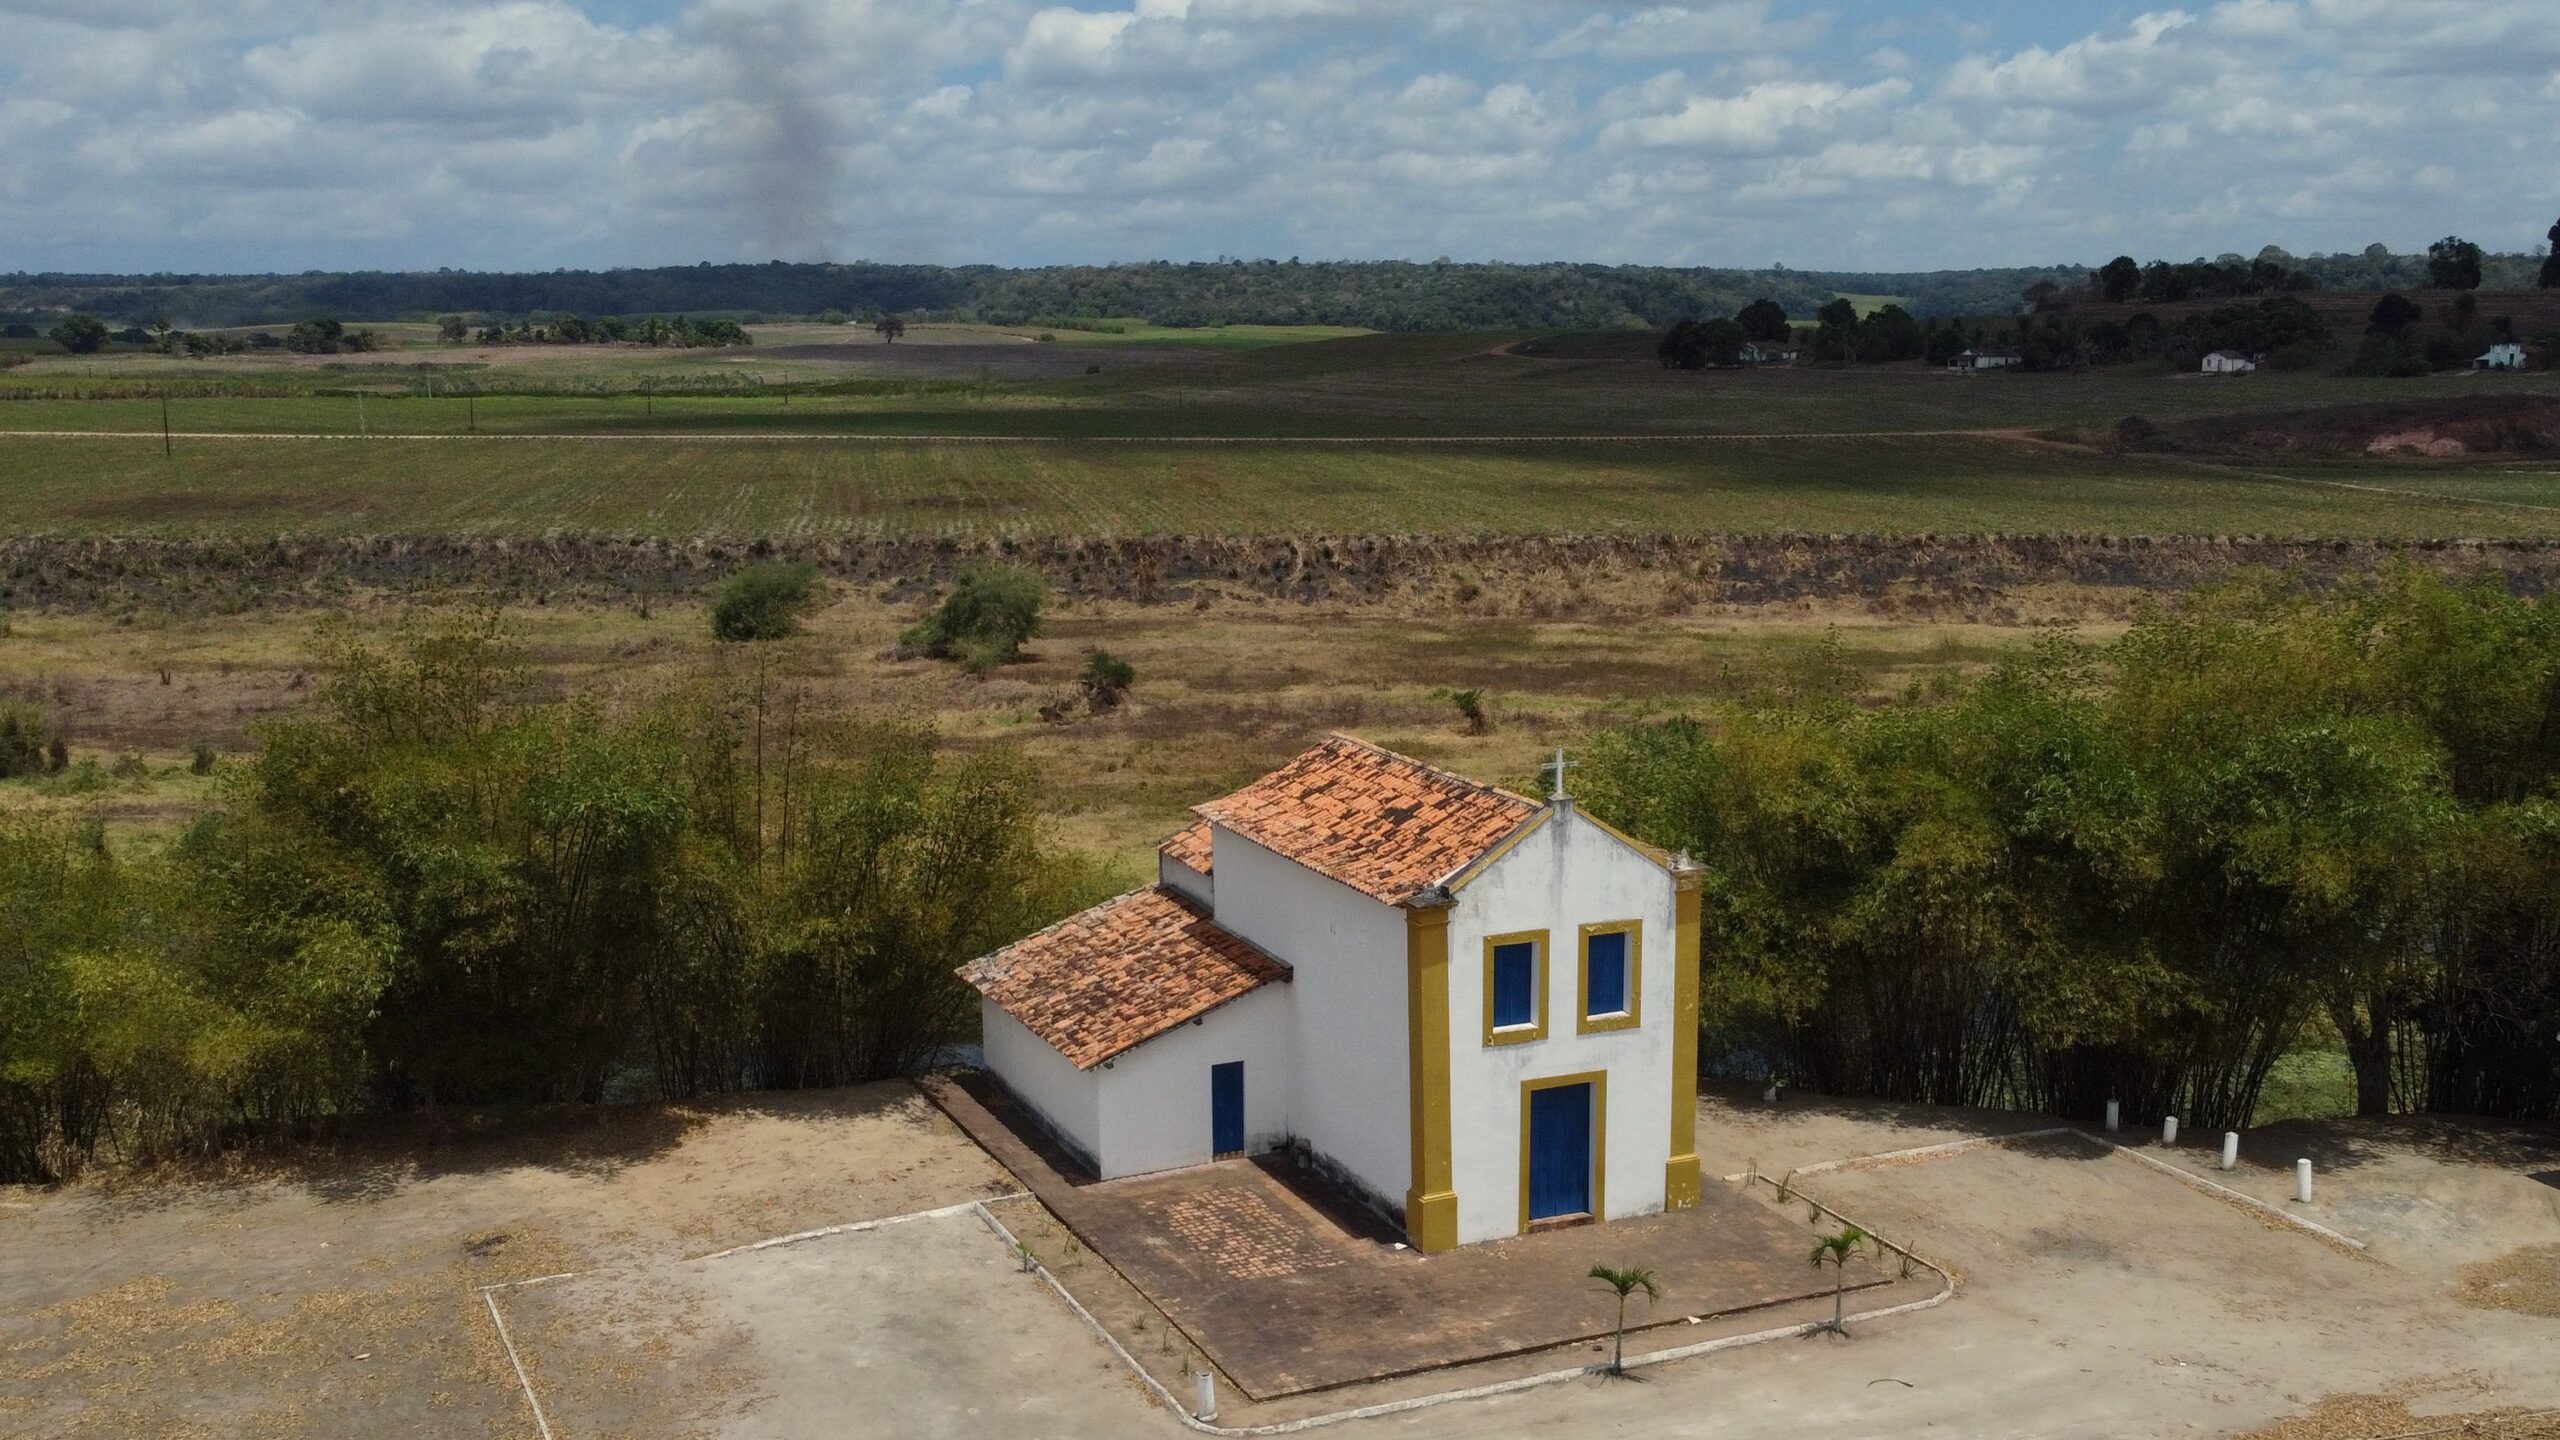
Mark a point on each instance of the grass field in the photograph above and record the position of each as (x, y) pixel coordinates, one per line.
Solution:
(680, 487)
(1212, 337)
(973, 431)
(966, 383)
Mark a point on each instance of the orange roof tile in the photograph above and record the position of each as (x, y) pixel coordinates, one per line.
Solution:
(1382, 823)
(1188, 847)
(1121, 973)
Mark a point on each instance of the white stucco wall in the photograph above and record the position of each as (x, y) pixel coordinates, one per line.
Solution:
(1173, 874)
(1348, 1096)
(1070, 1100)
(1568, 874)
(1155, 1096)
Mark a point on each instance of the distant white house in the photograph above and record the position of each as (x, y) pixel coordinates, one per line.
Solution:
(2501, 357)
(1756, 353)
(1475, 1010)
(2230, 362)
(1974, 360)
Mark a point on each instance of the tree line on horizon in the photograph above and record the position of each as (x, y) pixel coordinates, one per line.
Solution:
(1378, 295)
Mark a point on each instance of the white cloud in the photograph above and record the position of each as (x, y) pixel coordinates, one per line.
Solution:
(1844, 133)
(1774, 117)
(2096, 72)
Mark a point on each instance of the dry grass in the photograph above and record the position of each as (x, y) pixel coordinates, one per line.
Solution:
(140, 1353)
(2526, 1281)
(2388, 1417)
(1222, 693)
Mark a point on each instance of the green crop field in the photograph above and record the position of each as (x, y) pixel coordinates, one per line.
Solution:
(688, 487)
(972, 430)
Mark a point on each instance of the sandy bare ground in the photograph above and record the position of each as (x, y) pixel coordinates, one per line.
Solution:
(2098, 1298)
(338, 1295)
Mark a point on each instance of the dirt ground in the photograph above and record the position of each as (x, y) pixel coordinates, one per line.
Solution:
(2098, 1297)
(337, 1295)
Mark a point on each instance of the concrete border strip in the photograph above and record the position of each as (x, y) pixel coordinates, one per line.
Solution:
(535, 1280)
(1921, 1152)
(540, 1421)
(1958, 1147)
(855, 1227)
(1946, 1292)
(2225, 1193)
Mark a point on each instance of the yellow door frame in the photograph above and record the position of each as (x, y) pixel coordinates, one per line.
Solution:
(1598, 1080)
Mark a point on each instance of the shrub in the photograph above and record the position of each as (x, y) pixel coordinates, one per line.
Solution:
(982, 623)
(1106, 671)
(1470, 705)
(1106, 680)
(22, 740)
(200, 762)
(764, 602)
(2302, 355)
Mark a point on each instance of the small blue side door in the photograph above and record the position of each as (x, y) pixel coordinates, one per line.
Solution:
(1559, 1156)
(1226, 1108)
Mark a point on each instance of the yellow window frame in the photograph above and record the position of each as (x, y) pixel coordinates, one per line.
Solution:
(1517, 1034)
(1586, 1023)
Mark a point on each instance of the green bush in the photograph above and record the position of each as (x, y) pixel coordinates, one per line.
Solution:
(764, 602)
(1104, 671)
(22, 740)
(984, 621)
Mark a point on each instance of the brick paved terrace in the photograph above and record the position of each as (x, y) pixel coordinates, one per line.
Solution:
(1290, 1287)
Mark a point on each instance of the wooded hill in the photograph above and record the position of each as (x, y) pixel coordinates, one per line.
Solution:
(1378, 295)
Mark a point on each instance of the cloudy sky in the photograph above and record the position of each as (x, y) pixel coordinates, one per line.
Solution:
(531, 134)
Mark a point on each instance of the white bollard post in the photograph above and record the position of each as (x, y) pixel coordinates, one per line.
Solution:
(2230, 1149)
(2302, 1181)
(2169, 1130)
(2115, 1114)
(1206, 1411)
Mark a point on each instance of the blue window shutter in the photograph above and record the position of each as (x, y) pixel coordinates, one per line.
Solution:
(1606, 987)
(1515, 985)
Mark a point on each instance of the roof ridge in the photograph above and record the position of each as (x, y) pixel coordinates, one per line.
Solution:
(1418, 763)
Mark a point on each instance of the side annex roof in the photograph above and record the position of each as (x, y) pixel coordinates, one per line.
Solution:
(1188, 847)
(1118, 975)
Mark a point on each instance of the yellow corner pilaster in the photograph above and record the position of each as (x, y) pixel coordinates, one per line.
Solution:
(1431, 1206)
(1680, 1176)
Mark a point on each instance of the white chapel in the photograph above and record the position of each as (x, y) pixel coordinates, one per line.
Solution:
(1477, 1011)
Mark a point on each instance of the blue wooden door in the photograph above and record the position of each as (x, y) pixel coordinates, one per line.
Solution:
(1226, 1108)
(1559, 1151)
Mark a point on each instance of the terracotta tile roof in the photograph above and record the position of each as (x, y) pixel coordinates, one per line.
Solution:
(1379, 822)
(1123, 972)
(1189, 847)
